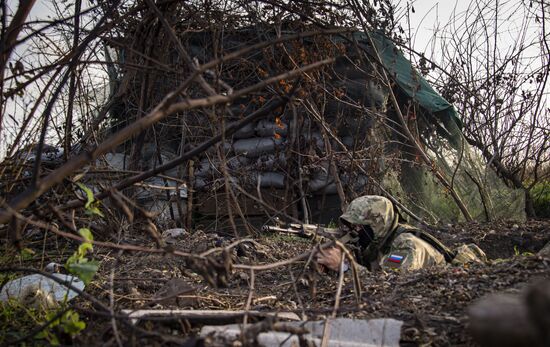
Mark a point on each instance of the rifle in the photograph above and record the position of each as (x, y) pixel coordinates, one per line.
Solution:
(311, 231)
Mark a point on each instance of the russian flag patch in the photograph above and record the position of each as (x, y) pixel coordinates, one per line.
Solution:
(395, 258)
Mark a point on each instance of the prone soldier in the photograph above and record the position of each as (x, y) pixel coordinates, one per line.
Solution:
(383, 242)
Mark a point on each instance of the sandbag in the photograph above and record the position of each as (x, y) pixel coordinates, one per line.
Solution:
(155, 188)
(267, 128)
(245, 132)
(315, 139)
(204, 168)
(270, 162)
(267, 179)
(257, 146)
(322, 182)
(117, 161)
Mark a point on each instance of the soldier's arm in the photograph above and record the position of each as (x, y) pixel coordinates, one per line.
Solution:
(331, 258)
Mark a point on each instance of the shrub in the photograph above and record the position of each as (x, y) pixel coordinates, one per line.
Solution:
(541, 199)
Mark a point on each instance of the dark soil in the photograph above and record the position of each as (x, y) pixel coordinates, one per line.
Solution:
(432, 303)
(499, 239)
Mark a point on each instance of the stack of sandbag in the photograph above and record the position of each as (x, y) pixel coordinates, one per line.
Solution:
(256, 156)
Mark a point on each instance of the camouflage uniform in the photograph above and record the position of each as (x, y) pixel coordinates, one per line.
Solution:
(406, 251)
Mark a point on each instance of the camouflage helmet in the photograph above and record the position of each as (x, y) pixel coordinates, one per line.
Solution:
(373, 210)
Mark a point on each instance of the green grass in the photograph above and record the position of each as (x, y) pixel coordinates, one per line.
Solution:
(541, 199)
(18, 321)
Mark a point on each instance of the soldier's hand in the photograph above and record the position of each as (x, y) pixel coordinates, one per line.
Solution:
(330, 257)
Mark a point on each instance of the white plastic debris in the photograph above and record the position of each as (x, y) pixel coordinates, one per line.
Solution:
(343, 332)
(40, 291)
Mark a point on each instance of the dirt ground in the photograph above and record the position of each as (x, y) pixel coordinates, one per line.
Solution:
(432, 303)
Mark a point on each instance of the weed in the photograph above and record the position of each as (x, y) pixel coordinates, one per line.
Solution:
(78, 264)
(518, 253)
(332, 224)
(541, 199)
(17, 321)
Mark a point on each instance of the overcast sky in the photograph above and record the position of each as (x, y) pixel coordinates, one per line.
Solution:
(423, 24)
(430, 16)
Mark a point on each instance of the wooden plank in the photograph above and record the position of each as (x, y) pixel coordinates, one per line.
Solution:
(206, 316)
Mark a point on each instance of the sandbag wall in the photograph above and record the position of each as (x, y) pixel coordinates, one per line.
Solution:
(293, 159)
(284, 159)
(289, 159)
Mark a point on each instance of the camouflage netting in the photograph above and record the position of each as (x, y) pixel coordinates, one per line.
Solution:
(436, 126)
(483, 193)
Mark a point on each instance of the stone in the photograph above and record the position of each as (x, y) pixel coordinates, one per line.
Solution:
(171, 291)
(40, 291)
(510, 320)
(545, 251)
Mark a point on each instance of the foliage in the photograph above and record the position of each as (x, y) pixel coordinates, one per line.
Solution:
(69, 323)
(500, 88)
(518, 253)
(27, 253)
(92, 205)
(332, 224)
(78, 264)
(283, 237)
(541, 199)
(16, 321)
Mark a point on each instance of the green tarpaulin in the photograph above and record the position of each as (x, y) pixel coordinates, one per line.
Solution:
(408, 79)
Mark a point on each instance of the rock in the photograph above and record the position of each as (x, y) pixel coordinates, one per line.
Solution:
(545, 251)
(244, 277)
(538, 303)
(172, 289)
(53, 267)
(507, 320)
(501, 320)
(39, 291)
